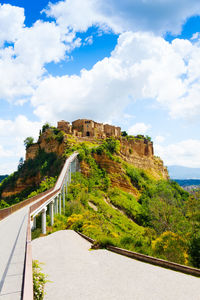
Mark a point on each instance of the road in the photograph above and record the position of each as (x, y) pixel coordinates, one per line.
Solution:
(76, 273)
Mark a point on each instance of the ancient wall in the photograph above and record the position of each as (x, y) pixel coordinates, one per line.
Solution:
(94, 129)
(65, 126)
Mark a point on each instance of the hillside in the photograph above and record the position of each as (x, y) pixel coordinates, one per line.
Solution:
(122, 196)
(46, 157)
(2, 177)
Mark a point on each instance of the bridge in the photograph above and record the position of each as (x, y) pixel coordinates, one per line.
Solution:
(15, 234)
(15, 247)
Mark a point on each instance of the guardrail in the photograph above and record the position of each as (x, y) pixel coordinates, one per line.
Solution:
(5, 212)
(148, 259)
(27, 286)
(27, 291)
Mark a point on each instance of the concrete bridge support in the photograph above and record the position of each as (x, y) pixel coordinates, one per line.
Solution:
(44, 220)
(57, 204)
(56, 200)
(51, 210)
(60, 204)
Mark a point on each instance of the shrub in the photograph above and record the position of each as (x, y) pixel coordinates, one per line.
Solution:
(194, 251)
(28, 141)
(39, 280)
(172, 247)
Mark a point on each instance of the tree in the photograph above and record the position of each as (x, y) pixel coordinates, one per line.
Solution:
(194, 251)
(28, 141)
(45, 126)
(21, 161)
(172, 247)
(124, 133)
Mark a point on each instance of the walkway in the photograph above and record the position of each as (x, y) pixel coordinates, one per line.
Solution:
(79, 274)
(12, 252)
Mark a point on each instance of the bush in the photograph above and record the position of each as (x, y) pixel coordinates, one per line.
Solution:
(28, 141)
(39, 280)
(172, 247)
(194, 251)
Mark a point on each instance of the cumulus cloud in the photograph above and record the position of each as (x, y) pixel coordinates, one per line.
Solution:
(22, 61)
(142, 66)
(11, 23)
(159, 139)
(184, 153)
(12, 135)
(139, 128)
(156, 16)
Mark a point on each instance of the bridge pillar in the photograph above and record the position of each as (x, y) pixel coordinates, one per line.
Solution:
(34, 223)
(51, 205)
(63, 197)
(56, 199)
(44, 220)
(70, 173)
(60, 205)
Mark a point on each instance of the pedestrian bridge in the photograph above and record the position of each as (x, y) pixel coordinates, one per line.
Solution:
(15, 234)
(16, 252)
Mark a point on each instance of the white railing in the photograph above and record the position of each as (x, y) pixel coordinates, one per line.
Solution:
(55, 199)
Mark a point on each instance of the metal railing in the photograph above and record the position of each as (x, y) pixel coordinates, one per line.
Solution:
(38, 200)
(27, 293)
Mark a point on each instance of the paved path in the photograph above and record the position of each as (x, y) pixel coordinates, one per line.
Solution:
(12, 252)
(79, 274)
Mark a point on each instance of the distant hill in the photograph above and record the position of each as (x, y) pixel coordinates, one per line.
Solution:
(2, 177)
(188, 182)
(178, 172)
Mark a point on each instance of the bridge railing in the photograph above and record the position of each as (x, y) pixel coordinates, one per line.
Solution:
(61, 184)
(5, 212)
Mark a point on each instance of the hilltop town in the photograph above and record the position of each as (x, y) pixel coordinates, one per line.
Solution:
(89, 128)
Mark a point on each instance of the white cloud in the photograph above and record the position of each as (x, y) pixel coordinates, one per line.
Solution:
(156, 16)
(195, 36)
(142, 66)
(184, 153)
(139, 128)
(12, 135)
(88, 40)
(159, 139)
(22, 64)
(11, 22)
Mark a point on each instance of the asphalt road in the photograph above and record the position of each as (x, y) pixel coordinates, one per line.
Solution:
(76, 273)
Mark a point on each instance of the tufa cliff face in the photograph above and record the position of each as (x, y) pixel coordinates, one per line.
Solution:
(47, 142)
(140, 154)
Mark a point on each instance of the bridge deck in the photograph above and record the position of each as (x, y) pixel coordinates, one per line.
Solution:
(12, 253)
(77, 273)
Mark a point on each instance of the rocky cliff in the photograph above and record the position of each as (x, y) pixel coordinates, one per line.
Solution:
(136, 152)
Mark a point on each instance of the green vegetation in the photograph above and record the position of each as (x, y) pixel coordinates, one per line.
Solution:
(162, 220)
(44, 165)
(28, 141)
(39, 280)
(113, 202)
(2, 177)
(138, 137)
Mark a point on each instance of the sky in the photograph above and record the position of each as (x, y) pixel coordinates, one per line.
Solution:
(131, 63)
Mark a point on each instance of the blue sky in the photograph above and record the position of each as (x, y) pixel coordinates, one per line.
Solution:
(135, 64)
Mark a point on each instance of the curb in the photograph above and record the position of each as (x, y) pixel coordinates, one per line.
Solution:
(149, 259)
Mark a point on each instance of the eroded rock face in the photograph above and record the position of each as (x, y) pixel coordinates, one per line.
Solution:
(141, 155)
(32, 151)
(140, 148)
(46, 142)
(20, 186)
(116, 173)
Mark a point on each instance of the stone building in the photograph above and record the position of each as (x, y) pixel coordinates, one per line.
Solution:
(65, 126)
(89, 128)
